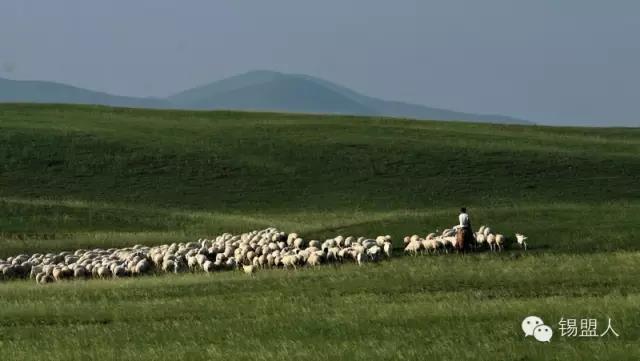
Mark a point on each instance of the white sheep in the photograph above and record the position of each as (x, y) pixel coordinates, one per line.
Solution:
(413, 247)
(521, 240)
(298, 243)
(430, 245)
(104, 272)
(264, 248)
(388, 249)
(500, 240)
(314, 259)
(289, 261)
(374, 253)
(487, 231)
(250, 269)
(491, 241)
(480, 239)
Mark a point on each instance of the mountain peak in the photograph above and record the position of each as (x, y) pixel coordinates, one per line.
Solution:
(276, 91)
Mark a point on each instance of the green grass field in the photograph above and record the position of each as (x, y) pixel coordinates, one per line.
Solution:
(82, 176)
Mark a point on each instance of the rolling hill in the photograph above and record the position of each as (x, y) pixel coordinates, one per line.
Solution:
(270, 165)
(76, 176)
(14, 91)
(252, 91)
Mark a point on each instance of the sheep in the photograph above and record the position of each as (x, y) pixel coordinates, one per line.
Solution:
(45, 278)
(228, 251)
(448, 242)
(449, 232)
(332, 254)
(168, 265)
(430, 245)
(368, 243)
(500, 239)
(157, 259)
(289, 261)
(487, 231)
(262, 260)
(35, 271)
(208, 266)
(480, 239)
(388, 249)
(314, 243)
(374, 253)
(57, 273)
(521, 240)
(192, 262)
(348, 241)
(119, 271)
(491, 241)
(104, 272)
(291, 237)
(315, 259)
(231, 263)
(142, 266)
(298, 243)
(249, 269)
(80, 272)
(258, 249)
(413, 247)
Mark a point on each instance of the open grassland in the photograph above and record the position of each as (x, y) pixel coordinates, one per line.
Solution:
(409, 308)
(80, 176)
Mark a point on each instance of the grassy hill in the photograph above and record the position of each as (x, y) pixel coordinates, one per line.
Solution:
(83, 176)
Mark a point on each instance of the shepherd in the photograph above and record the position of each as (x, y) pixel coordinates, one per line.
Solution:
(464, 234)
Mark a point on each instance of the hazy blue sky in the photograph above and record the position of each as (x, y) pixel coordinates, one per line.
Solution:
(544, 60)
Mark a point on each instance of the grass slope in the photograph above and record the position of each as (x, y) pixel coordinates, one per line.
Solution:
(82, 176)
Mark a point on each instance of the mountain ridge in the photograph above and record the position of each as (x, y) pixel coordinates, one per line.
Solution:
(37, 91)
(257, 90)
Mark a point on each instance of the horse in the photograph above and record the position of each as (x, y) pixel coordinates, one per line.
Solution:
(464, 239)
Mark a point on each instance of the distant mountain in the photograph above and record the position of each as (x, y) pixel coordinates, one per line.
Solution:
(407, 110)
(256, 90)
(282, 93)
(273, 91)
(50, 92)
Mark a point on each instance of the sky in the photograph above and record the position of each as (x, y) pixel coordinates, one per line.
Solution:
(549, 61)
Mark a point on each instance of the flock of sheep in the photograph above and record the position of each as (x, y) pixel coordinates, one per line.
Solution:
(268, 248)
(483, 238)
